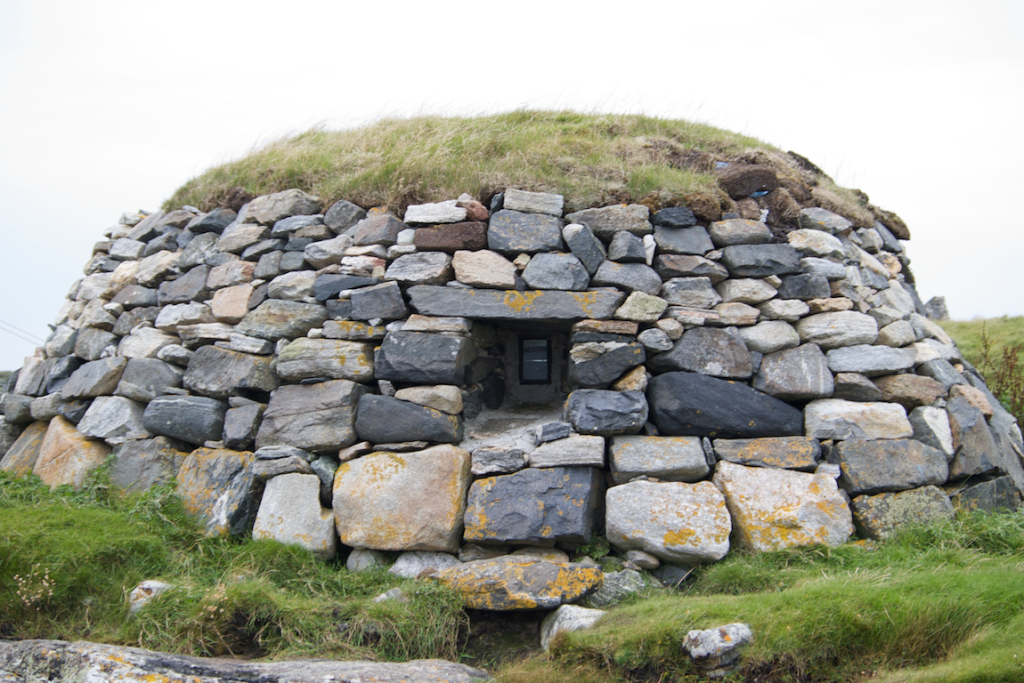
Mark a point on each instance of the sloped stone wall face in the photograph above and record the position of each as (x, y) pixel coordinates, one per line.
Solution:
(723, 384)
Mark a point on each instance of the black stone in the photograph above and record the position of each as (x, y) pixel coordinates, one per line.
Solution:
(995, 494)
(708, 351)
(675, 217)
(165, 242)
(693, 240)
(192, 419)
(536, 506)
(626, 247)
(343, 215)
(215, 221)
(189, 287)
(129, 319)
(804, 287)
(327, 286)
(60, 371)
(385, 419)
(761, 260)
(424, 358)
(609, 366)
(379, 301)
(73, 411)
(689, 404)
(241, 426)
(513, 232)
(606, 413)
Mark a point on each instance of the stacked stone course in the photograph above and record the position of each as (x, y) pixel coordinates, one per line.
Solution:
(308, 377)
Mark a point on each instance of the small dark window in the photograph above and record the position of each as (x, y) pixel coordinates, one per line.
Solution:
(534, 361)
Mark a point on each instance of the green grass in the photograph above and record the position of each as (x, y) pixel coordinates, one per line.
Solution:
(942, 603)
(78, 554)
(591, 159)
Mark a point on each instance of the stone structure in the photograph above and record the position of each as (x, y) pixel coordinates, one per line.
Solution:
(323, 369)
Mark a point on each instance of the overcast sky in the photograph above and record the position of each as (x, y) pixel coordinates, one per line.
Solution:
(107, 107)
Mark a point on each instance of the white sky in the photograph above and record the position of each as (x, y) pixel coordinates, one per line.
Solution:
(107, 107)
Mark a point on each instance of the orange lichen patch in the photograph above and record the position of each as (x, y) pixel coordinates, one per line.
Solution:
(784, 452)
(514, 583)
(586, 300)
(774, 509)
(521, 302)
(678, 536)
(66, 456)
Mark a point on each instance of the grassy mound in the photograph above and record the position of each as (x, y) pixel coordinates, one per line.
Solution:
(593, 160)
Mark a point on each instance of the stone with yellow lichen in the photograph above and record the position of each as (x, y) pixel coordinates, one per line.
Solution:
(879, 516)
(674, 521)
(407, 501)
(669, 458)
(996, 494)
(787, 452)
(66, 456)
(306, 358)
(500, 304)
(774, 508)
(520, 583)
(215, 486)
(290, 512)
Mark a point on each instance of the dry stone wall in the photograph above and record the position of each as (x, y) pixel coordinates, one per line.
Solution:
(317, 375)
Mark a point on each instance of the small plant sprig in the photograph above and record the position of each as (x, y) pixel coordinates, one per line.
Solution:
(35, 589)
(1006, 380)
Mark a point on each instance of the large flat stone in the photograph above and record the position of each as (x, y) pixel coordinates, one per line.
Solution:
(668, 458)
(910, 391)
(424, 358)
(215, 486)
(385, 419)
(870, 361)
(674, 521)
(66, 456)
(628, 277)
(307, 358)
(220, 373)
(290, 513)
(407, 501)
(888, 465)
(833, 418)
(96, 378)
(774, 508)
(470, 235)
(514, 305)
(113, 417)
(881, 516)
(760, 260)
(690, 404)
(535, 506)
(146, 378)
(520, 583)
(313, 417)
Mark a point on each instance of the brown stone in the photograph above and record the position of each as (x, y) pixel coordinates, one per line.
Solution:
(230, 304)
(830, 305)
(23, 453)
(66, 456)
(469, 235)
(976, 397)
(910, 391)
(230, 273)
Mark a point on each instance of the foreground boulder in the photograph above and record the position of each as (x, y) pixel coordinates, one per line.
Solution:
(520, 583)
(56, 660)
(880, 516)
(774, 509)
(689, 404)
(403, 501)
(675, 522)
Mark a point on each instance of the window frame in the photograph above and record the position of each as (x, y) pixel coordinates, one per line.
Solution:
(523, 339)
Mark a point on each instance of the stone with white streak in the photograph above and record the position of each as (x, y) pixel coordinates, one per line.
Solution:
(833, 418)
(441, 212)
